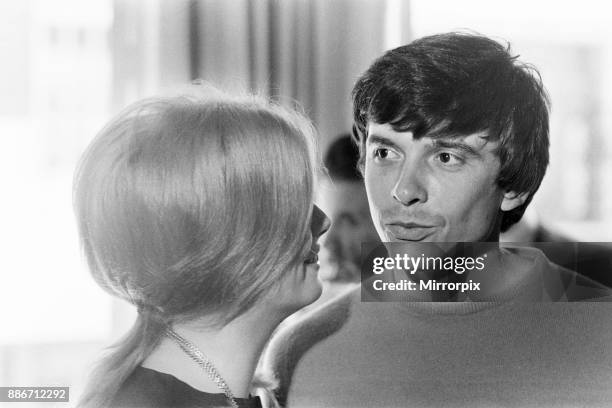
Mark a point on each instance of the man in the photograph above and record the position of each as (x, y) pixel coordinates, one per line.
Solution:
(342, 196)
(453, 137)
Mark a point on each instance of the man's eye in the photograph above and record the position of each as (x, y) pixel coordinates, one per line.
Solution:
(381, 153)
(449, 158)
(384, 153)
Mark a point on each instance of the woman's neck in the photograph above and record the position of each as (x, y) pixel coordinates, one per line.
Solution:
(233, 350)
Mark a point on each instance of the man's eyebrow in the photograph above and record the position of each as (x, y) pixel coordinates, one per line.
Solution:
(381, 140)
(455, 144)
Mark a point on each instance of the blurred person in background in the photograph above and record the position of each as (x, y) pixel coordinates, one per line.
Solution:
(342, 196)
(199, 211)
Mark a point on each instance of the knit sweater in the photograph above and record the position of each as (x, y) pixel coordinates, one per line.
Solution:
(514, 353)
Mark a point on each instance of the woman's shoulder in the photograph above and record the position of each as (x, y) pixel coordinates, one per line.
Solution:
(146, 388)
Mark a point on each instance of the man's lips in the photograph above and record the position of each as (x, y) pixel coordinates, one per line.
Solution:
(409, 231)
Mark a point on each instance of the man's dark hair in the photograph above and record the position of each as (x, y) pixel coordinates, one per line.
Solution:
(341, 159)
(458, 84)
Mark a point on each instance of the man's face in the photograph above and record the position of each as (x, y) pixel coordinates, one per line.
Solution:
(346, 203)
(435, 190)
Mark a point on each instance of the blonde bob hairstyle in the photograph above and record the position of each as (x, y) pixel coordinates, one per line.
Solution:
(192, 206)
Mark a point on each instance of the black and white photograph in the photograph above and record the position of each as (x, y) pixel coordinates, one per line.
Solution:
(306, 203)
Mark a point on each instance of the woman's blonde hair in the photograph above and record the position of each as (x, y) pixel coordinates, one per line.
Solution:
(192, 206)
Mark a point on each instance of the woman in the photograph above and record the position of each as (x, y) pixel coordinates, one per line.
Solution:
(199, 211)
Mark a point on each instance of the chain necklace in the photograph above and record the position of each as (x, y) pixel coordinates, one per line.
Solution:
(196, 355)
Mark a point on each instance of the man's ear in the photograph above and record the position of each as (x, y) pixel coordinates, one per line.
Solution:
(512, 200)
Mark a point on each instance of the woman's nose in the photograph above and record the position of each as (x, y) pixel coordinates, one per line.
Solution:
(320, 222)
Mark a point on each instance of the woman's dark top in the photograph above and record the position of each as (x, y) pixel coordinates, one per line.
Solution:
(146, 388)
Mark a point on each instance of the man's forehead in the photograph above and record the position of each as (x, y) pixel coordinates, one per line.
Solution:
(477, 140)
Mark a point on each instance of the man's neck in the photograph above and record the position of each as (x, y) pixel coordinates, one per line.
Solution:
(493, 274)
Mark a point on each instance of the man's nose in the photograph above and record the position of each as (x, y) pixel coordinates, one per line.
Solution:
(410, 187)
